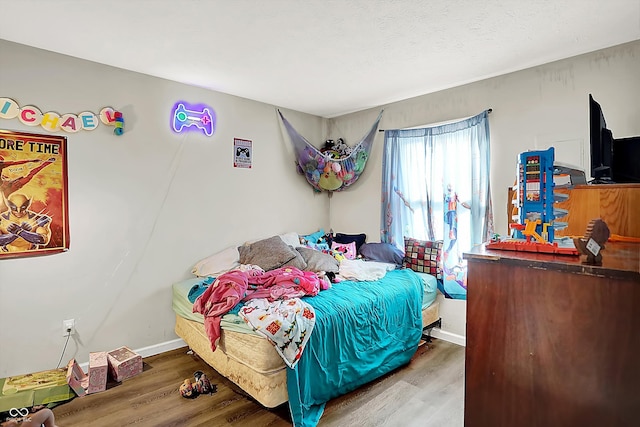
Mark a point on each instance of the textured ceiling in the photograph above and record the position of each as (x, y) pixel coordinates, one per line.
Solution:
(323, 57)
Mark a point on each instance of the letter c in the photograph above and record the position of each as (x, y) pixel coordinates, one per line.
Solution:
(30, 115)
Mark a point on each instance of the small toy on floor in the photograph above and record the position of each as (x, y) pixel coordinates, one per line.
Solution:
(201, 385)
(186, 389)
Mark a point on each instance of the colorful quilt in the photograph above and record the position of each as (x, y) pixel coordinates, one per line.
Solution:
(286, 323)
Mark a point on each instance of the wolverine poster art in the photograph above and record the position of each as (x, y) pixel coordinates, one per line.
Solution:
(33, 194)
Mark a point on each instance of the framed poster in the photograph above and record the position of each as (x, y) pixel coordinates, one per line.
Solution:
(242, 151)
(34, 204)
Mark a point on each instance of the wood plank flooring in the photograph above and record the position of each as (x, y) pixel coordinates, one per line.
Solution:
(429, 391)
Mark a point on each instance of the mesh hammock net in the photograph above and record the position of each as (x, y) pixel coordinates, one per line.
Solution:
(322, 170)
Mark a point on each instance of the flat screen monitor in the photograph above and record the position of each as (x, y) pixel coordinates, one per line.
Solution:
(601, 143)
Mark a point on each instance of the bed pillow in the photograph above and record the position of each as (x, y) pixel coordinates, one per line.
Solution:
(359, 239)
(218, 263)
(382, 252)
(423, 256)
(318, 261)
(270, 254)
(291, 239)
(348, 249)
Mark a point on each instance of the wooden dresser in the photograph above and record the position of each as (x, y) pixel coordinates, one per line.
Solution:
(552, 342)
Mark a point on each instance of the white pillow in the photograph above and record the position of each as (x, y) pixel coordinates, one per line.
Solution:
(218, 263)
(291, 239)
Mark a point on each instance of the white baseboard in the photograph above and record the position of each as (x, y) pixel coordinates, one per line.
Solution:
(151, 350)
(448, 336)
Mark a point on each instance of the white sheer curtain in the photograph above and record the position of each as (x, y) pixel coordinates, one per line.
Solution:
(435, 186)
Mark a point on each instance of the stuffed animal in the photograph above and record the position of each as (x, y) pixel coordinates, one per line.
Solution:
(326, 278)
(317, 238)
(202, 384)
(328, 145)
(341, 147)
(360, 162)
(186, 389)
(307, 161)
(329, 151)
(330, 180)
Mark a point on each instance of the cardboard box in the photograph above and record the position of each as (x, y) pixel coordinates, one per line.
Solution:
(40, 388)
(124, 363)
(76, 378)
(98, 371)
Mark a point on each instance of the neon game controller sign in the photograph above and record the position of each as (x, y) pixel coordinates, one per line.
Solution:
(186, 117)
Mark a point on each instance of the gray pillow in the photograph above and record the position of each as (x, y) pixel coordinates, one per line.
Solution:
(270, 254)
(382, 252)
(318, 261)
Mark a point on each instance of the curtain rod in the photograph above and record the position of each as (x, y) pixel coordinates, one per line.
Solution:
(489, 110)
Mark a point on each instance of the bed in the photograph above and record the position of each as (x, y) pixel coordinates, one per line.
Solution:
(402, 297)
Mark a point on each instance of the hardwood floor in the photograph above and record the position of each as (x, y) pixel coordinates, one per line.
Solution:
(429, 391)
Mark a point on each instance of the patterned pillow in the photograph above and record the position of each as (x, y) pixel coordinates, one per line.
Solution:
(423, 256)
(348, 249)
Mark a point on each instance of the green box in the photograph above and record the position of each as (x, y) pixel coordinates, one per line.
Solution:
(40, 388)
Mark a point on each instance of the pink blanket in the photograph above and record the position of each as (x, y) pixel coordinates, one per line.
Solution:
(218, 299)
(234, 286)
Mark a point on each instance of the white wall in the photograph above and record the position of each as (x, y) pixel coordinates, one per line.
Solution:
(532, 109)
(143, 207)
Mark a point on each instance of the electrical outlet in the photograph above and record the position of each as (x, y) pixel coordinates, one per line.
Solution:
(68, 327)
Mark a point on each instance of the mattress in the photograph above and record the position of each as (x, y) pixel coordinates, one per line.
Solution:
(246, 358)
(430, 314)
(267, 384)
(430, 308)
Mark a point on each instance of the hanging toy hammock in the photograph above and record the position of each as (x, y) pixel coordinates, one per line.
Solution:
(321, 169)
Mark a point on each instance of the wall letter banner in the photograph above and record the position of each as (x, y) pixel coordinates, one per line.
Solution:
(31, 115)
(34, 205)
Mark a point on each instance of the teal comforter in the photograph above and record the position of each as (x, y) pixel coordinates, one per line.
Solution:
(363, 330)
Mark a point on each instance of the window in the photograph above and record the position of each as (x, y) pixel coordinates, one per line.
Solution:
(436, 187)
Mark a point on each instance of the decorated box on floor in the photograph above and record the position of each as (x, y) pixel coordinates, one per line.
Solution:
(76, 378)
(40, 388)
(98, 371)
(124, 363)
